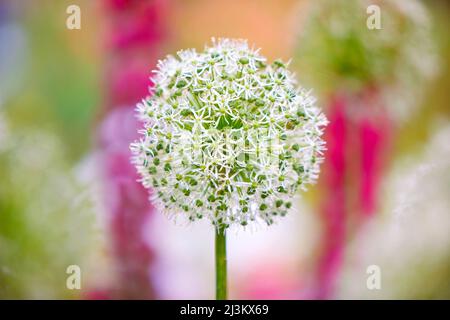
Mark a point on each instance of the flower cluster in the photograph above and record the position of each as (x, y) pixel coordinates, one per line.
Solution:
(227, 136)
(338, 51)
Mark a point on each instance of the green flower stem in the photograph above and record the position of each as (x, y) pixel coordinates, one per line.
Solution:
(221, 264)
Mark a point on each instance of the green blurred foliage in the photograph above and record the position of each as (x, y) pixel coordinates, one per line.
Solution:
(47, 218)
(62, 87)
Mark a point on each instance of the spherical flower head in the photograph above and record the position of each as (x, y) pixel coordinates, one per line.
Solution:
(227, 136)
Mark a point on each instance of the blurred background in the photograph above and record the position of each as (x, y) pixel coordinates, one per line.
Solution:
(68, 195)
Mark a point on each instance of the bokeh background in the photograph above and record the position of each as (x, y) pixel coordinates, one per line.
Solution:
(68, 195)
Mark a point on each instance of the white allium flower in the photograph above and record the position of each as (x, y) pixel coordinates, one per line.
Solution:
(227, 136)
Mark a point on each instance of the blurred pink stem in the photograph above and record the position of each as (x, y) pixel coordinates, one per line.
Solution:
(373, 135)
(334, 206)
(374, 139)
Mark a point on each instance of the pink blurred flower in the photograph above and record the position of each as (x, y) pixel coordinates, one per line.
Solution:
(127, 205)
(134, 35)
(358, 138)
(334, 202)
(374, 132)
(136, 23)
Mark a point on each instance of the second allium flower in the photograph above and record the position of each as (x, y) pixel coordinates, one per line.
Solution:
(227, 136)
